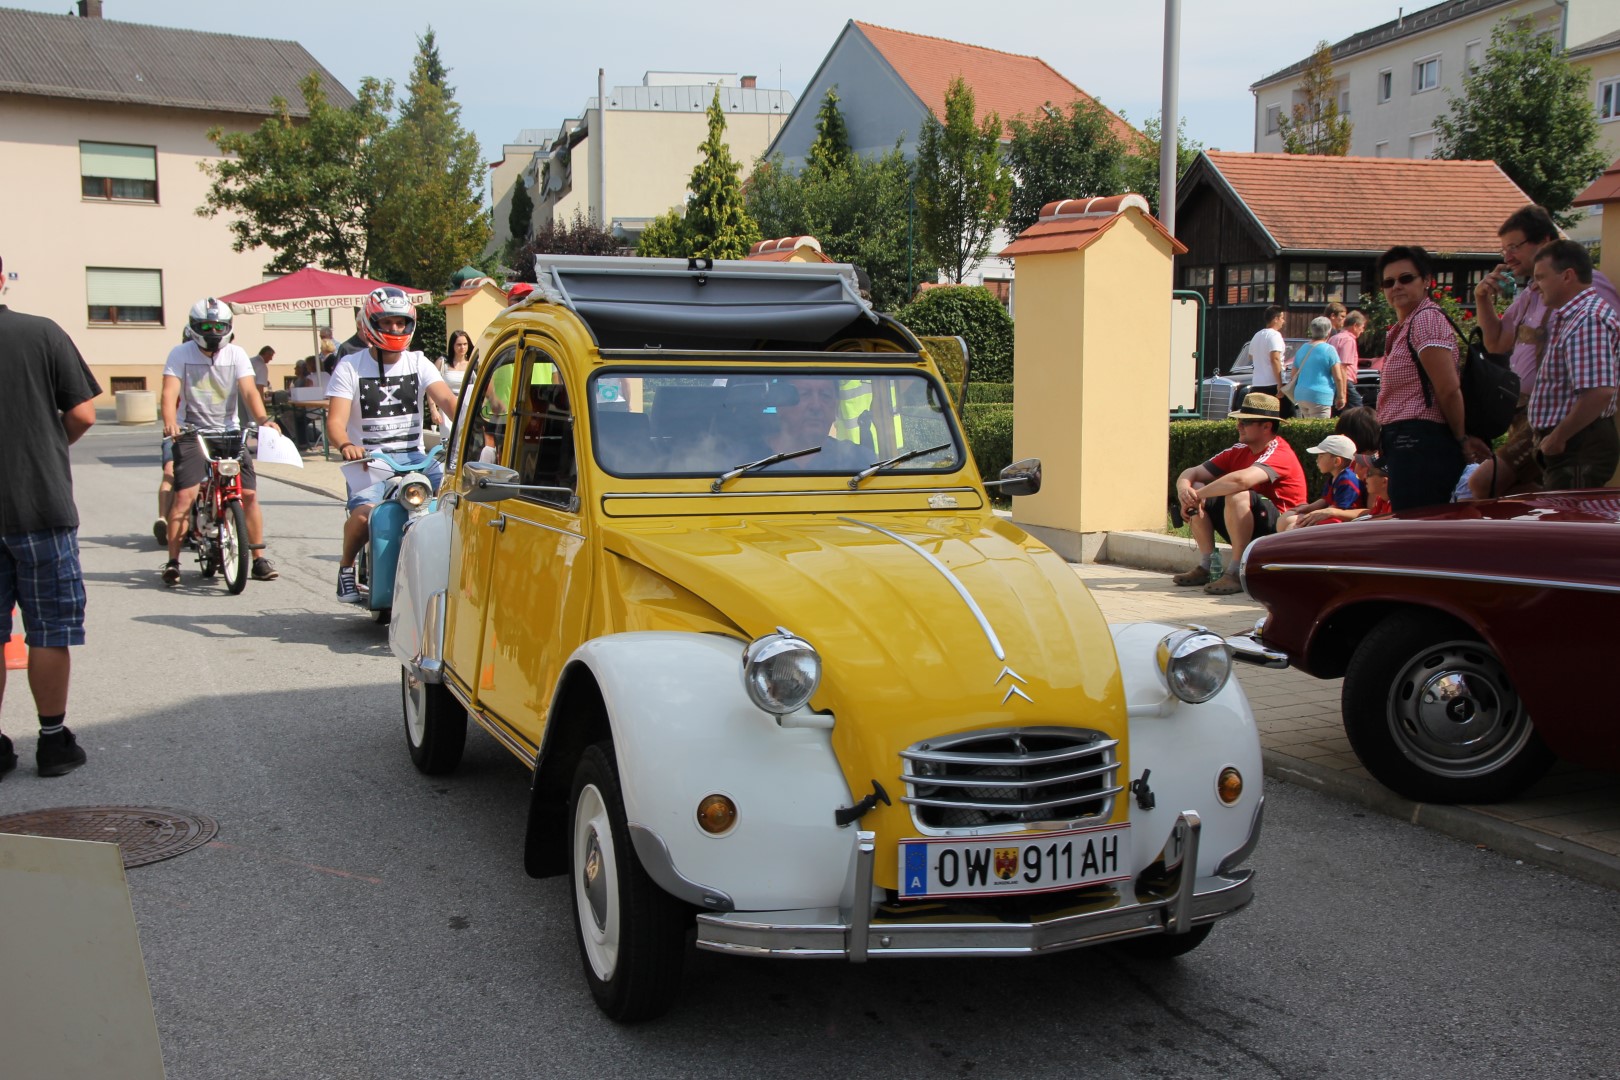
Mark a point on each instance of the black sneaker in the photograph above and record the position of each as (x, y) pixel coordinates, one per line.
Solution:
(264, 570)
(171, 573)
(8, 756)
(348, 590)
(59, 754)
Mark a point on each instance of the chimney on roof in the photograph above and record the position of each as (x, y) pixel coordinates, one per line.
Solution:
(89, 9)
(749, 81)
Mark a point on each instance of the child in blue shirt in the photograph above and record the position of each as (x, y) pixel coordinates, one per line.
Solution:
(1342, 498)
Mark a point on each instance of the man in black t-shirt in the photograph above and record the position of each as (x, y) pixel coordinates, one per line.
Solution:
(48, 403)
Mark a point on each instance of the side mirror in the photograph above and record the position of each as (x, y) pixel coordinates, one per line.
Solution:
(1019, 478)
(487, 482)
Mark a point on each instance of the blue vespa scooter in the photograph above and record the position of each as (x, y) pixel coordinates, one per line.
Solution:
(408, 495)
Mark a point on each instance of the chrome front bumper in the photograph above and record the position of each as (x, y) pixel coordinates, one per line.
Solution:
(1113, 913)
(1251, 650)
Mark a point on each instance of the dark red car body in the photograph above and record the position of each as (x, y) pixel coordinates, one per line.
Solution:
(1537, 577)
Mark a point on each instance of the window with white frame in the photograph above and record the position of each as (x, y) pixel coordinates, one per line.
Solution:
(1344, 101)
(1381, 149)
(1421, 145)
(1273, 115)
(1425, 74)
(1608, 99)
(296, 320)
(1386, 85)
(1251, 283)
(115, 171)
(1472, 53)
(120, 297)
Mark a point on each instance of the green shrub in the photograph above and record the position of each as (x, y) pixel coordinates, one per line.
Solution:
(1193, 442)
(430, 332)
(986, 393)
(989, 432)
(971, 312)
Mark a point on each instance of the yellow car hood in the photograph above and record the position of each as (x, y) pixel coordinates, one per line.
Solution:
(905, 657)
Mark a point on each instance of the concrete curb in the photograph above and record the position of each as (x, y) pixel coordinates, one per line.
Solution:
(1457, 822)
(1155, 551)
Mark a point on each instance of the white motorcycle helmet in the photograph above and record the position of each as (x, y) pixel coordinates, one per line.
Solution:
(209, 324)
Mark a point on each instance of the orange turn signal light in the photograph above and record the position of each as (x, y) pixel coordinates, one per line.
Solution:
(1229, 785)
(716, 814)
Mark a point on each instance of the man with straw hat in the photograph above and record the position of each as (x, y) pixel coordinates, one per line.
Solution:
(1240, 492)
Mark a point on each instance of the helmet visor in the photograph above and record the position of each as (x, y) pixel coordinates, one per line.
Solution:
(211, 327)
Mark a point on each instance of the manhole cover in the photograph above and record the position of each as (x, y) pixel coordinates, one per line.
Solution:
(144, 834)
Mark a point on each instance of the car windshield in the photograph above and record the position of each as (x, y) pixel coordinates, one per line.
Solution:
(658, 423)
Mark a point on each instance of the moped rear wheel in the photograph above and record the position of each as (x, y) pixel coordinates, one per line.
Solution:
(233, 548)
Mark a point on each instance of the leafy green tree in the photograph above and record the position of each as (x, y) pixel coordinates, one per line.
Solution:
(429, 217)
(858, 212)
(1139, 171)
(520, 219)
(577, 236)
(1527, 108)
(830, 151)
(1063, 155)
(717, 223)
(971, 312)
(665, 237)
(303, 188)
(964, 189)
(1314, 125)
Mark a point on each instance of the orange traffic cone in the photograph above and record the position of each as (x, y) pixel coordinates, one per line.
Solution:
(16, 650)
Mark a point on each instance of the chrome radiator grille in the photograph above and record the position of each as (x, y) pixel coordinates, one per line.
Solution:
(988, 780)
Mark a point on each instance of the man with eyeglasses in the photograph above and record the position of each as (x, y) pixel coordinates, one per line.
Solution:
(1521, 329)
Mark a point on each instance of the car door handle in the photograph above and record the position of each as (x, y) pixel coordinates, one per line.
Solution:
(498, 523)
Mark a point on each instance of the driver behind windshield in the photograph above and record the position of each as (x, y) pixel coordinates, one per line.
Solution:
(806, 407)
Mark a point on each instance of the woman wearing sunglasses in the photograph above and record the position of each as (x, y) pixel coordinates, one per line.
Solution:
(1424, 446)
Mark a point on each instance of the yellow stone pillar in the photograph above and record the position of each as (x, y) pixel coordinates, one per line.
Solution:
(1091, 349)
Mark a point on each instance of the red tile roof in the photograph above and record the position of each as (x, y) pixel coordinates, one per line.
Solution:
(1006, 84)
(783, 250)
(1605, 189)
(1072, 224)
(1315, 203)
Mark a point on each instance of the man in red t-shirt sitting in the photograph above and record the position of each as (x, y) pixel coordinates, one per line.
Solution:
(1240, 491)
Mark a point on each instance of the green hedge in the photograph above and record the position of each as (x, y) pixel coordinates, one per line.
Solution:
(989, 429)
(1193, 442)
(971, 312)
(984, 393)
(989, 432)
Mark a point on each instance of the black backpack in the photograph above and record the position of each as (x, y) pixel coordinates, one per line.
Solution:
(1490, 389)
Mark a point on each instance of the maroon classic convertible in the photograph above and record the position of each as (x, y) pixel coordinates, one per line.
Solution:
(1475, 640)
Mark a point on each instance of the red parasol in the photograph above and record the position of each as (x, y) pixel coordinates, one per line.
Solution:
(310, 290)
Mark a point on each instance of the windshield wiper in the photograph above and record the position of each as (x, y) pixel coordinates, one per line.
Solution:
(874, 469)
(762, 463)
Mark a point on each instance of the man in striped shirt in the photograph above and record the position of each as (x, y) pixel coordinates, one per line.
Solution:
(1572, 405)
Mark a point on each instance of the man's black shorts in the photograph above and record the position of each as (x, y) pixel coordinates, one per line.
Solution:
(1265, 514)
(190, 466)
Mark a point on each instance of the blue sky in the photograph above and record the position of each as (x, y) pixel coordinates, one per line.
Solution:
(529, 65)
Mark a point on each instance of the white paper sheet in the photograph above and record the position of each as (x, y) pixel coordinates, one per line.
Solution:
(276, 449)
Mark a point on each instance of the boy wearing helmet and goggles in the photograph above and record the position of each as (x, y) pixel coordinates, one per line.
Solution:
(374, 402)
(202, 380)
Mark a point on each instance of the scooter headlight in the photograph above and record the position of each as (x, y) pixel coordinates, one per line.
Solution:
(230, 468)
(1195, 663)
(780, 672)
(415, 494)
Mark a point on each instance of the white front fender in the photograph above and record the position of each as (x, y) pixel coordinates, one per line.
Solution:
(1186, 747)
(423, 575)
(683, 728)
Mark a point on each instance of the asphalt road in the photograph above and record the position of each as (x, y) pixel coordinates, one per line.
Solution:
(356, 919)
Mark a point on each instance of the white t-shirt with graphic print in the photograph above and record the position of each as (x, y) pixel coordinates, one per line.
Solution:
(386, 413)
(208, 385)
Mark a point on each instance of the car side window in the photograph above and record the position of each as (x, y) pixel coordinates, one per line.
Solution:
(487, 409)
(543, 417)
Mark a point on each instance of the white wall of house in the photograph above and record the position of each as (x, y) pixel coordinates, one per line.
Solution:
(51, 235)
(516, 159)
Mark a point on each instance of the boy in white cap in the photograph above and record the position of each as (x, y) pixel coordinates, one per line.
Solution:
(1342, 498)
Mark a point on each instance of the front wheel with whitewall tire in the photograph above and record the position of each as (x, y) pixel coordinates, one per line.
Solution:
(1429, 710)
(632, 934)
(435, 724)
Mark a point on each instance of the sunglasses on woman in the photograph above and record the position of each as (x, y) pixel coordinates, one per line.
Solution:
(1404, 279)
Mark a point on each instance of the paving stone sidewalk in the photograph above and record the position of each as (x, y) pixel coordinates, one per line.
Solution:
(1570, 820)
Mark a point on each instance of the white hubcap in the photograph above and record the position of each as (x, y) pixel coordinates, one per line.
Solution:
(596, 894)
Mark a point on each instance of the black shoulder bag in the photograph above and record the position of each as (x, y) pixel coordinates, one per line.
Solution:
(1490, 389)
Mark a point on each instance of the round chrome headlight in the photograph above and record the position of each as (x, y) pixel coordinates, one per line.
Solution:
(1195, 663)
(780, 672)
(415, 494)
